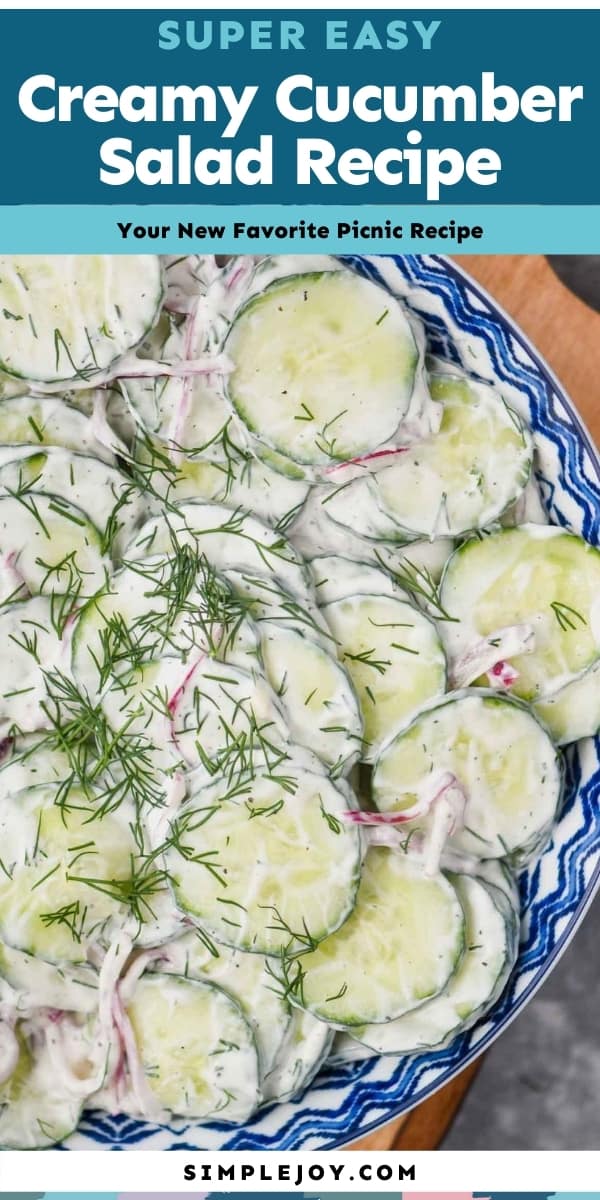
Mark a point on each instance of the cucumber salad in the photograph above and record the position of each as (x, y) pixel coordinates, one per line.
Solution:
(289, 650)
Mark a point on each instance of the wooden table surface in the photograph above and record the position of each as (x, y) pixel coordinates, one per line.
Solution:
(567, 334)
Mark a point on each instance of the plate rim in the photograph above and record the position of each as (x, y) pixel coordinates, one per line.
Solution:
(458, 272)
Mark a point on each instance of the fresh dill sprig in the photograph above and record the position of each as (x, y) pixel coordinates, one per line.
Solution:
(72, 916)
(25, 495)
(27, 642)
(367, 659)
(323, 439)
(67, 582)
(297, 938)
(115, 524)
(566, 616)
(108, 765)
(419, 581)
(180, 829)
(135, 891)
(60, 346)
(305, 414)
(333, 823)
(152, 470)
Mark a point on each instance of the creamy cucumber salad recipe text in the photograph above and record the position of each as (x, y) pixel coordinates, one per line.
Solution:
(288, 652)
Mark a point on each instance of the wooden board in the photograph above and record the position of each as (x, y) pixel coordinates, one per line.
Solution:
(564, 330)
(567, 334)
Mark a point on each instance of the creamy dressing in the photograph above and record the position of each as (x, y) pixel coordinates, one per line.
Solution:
(210, 615)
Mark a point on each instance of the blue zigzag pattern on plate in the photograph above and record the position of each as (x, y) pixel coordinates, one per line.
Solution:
(349, 1100)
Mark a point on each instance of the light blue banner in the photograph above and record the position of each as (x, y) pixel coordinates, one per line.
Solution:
(181, 229)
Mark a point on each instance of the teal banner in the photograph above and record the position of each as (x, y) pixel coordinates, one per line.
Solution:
(310, 107)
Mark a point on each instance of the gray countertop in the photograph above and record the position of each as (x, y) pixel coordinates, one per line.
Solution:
(539, 1086)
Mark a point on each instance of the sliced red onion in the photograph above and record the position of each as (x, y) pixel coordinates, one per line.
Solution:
(448, 818)
(182, 408)
(148, 1104)
(113, 962)
(502, 675)
(175, 699)
(158, 818)
(385, 835)
(6, 745)
(132, 367)
(459, 864)
(483, 655)
(444, 798)
(113, 1017)
(55, 1014)
(240, 274)
(179, 303)
(129, 981)
(428, 795)
(366, 460)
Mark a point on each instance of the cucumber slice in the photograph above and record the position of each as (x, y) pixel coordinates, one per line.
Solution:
(573, 712)
(48, 421)
(29, 646)
(466, 475)
(283, 466)
(53, 545)
(316, 695)
(161, 922)
(40, 984)
(208, 717)
(33, 761)
(267, 601)
(246, 978)
(501, 756)
(267, 864)
(57, 1070)
(498, 873)
(324, 366)
(315, 692)
(13, 454)
(47, 851)
(117, 506)
(356, 506)
(346, 1049)
(337, 578)
(394, 657)
(138, 701)
(403, 941)
(315, 535)
(241, 481)
(303, 1052)
(196, 1048)
(528, 509)
(227, 539)
(226, 473)
(70, 318)
(227, 720)
(490, 955)
(537, 576)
